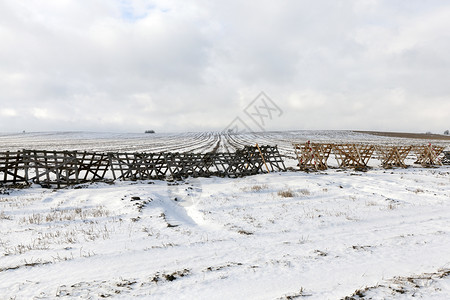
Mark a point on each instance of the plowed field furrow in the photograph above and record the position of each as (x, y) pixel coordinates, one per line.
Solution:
(196, 142)
(224, 145)
(207, 143)
(232, 142)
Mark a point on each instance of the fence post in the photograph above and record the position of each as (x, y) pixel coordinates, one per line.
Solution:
(262, 156)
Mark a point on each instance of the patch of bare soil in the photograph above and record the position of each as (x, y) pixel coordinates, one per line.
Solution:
(424, 136)
(408, 286)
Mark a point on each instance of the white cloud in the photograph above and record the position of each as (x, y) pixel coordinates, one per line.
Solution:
(41, 113)
(8, 112)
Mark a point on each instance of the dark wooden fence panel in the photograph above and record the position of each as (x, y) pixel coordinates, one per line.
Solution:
(136, 166)
(446, 158)
(248, 161)
(12, 168)
(272, 158)
(62, 168)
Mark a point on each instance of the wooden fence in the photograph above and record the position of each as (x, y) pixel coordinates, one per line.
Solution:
(48, 168)
(63, 168)
(248, 161)
(357, 156)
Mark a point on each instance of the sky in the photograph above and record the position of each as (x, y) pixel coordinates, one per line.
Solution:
(197, 65)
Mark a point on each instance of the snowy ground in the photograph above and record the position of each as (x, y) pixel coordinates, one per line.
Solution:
(328, 235)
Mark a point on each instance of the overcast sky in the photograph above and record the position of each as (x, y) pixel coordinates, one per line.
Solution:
(128, 66)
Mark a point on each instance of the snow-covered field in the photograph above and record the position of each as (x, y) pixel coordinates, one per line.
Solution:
(262, 237)
(325, 235)
(199, 142)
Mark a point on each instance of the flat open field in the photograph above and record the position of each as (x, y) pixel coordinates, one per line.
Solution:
(197, 142)
(324, 235)
(423, 136)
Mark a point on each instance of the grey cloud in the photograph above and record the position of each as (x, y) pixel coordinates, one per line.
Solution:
(194, 65)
